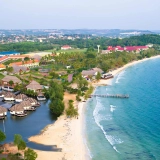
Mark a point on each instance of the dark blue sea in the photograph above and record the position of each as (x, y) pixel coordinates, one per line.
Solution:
(126, 129)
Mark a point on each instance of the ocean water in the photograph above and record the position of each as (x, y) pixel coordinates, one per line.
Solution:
(126, 129)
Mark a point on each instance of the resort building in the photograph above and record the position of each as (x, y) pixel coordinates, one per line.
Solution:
(4, 59)
(44, 72)
(88, 74)
(37, 56)
(66, 47)
(30, 63)
(34, 86)
(91, 73)
(5, 82)
(13, 57)
(20, 69)
(127, 48)
(2, 66)
(98, 70)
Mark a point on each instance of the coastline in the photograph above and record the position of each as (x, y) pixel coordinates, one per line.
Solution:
(104, 82)
(68, 134)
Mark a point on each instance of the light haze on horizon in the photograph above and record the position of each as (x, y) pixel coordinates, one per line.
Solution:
(72, 14)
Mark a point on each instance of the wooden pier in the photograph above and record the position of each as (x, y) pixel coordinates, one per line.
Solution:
(111, 95)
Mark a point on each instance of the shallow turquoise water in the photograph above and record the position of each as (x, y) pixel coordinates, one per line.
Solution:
(124, 129)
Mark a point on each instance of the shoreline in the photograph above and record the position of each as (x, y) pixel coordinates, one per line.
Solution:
(104, 82)
(68, 134)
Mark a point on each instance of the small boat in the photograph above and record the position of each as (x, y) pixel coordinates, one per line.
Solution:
(112, 108)
(41, 97)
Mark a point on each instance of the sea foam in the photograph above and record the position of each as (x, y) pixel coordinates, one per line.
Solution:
(98, 118)
(120, 76)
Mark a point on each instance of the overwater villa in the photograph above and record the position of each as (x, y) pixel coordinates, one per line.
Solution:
(18, 110)
(2, 94)
(9, 96)
(33, 101)
(27, 106)
(20, 97)
(3, 112)
(41, 97)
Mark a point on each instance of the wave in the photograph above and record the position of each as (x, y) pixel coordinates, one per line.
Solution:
(88, 151)
(120, 76)
(112, 108)
(98, 118)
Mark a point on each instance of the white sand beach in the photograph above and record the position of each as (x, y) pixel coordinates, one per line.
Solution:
(68, 133)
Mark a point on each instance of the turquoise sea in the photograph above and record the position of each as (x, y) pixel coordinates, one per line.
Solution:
(126, 129)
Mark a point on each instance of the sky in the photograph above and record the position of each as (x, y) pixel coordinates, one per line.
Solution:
(80, 14)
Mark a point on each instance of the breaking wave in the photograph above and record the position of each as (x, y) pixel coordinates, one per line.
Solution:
(120, 76)
(98, 118)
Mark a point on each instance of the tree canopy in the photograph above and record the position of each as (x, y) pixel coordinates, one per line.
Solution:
(2, 136)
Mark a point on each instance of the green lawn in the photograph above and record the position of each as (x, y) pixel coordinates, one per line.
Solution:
(1, 76)
(68, 51)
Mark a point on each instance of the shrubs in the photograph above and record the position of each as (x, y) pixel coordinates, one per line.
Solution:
(71, 111)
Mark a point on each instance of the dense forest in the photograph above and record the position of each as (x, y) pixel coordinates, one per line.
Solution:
(81, 43)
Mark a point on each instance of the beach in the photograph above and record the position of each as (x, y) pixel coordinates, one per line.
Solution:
(68, 134)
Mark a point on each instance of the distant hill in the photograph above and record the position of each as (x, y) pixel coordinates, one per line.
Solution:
(95, 32)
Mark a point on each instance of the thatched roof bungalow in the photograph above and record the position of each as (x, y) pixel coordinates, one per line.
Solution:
(32, 101)
(20, 97)
(9, 96)
(26, 105)
(17, 109)
(34, 86)
(3, 111)
(5, 81)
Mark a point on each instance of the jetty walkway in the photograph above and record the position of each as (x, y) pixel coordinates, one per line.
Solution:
(110, 95)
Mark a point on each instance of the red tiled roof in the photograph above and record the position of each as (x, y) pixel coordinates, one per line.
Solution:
(3, 58)
(23, 63)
